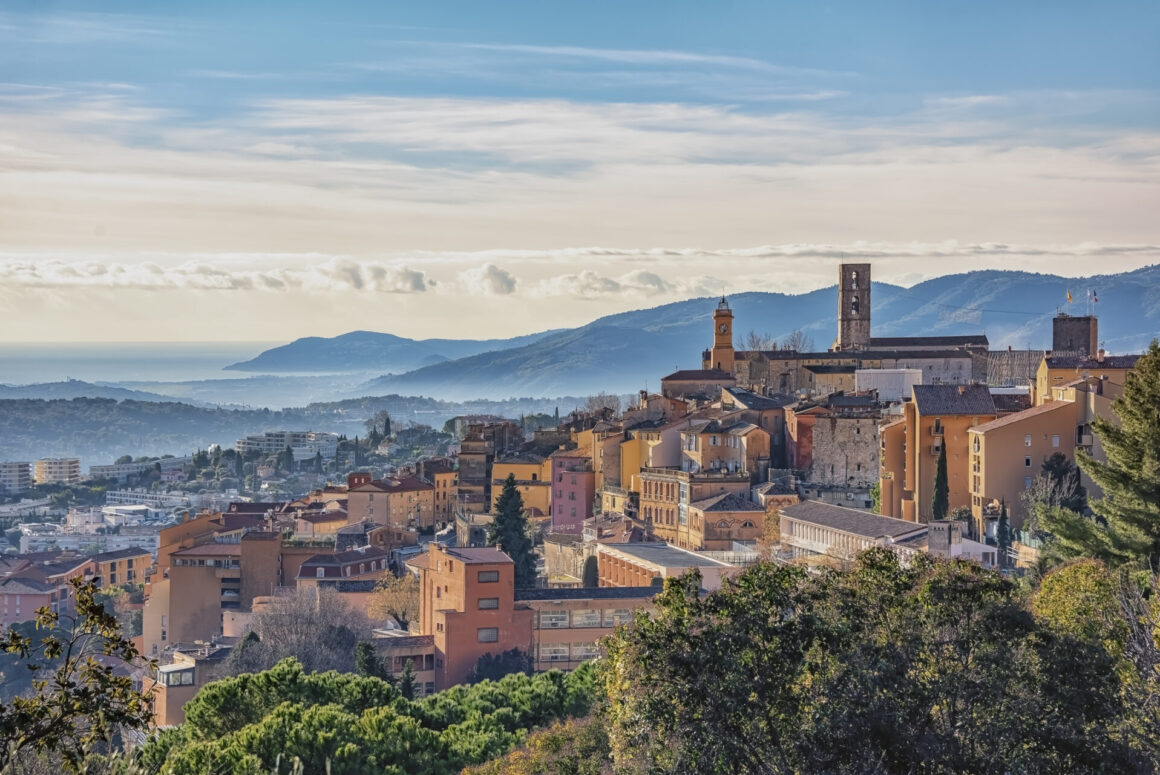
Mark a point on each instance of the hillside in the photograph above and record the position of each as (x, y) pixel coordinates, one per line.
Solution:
(75, 388)
(632, 350)
(368, 351)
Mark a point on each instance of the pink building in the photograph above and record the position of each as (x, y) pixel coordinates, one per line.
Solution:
(573, 490)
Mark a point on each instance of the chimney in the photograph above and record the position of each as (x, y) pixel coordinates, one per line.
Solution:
(1100, 355)
(962, 390)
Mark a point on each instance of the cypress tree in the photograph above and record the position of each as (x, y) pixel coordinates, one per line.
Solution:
(407, 681)
(1003, 537)
(1130, 476)
(940, 500)
(591, 572)
(509, 531)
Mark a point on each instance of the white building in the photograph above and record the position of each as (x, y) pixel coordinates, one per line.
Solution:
(304, 444)
(122, 471)
(891, 384)
(155, 500)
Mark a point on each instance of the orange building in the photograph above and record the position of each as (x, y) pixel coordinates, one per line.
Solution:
(644, 565)
(445, 479)
(937, 415)
(1055, 370)
(406, 502)
(124, 566)
(667, 495)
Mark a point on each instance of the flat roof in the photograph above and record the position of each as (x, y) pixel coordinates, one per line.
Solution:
(665, 555)
(212, 549)
(587, 593)
(848, 520)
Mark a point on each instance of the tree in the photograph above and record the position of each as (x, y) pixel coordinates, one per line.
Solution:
(80, 700)
(1126, 524)
(573, 747)
(591, 572)
(123, 460)
(876, 497)
(509, 531)
(940, 497)
(492, 667)
(755, 342)
(600, 402)
(798, 341)
(407, 681)
(318, 462)
(935, 667)
(1003, 537)
(397, 598)
(368, 663)
(1063, 476)
(312, 625)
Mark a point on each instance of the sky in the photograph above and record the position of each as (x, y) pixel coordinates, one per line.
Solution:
(269, 170)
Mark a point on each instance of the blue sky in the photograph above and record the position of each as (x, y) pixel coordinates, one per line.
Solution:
(511, 166)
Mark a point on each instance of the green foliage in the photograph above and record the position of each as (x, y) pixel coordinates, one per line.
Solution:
(407, 681)
(79, 701)
(509, 531)
(1003, 537)
(368, 663)
(1081, 599)
(493, 667)
(341, 723)
(940, 496)
(591, 572)
(876, 497)
(935, 668)
(575, 747)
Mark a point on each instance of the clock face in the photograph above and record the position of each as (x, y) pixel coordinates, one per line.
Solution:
(722, 328)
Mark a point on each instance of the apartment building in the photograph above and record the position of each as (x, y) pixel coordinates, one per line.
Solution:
(573, 488)
(123, 566)
(668, 493)
(31, 582)
(533, 475)
(405, 502)
(305, 445)
(937, 415)
(469, 607)
(15, 477)
(175, 684)
(1008, 453)
(445, 479)
(63, 470)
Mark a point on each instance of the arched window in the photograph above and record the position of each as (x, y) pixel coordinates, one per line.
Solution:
(747, 523)
(854, 280)
(723, 523)
(854, 305)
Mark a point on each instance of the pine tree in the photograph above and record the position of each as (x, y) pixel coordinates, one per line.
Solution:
(1003, 537)
(940, 500)
(407, 681)
(509, 531)
(386, 425)
(1130, 477)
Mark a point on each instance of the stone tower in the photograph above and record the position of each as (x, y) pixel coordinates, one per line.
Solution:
(853, 307)
(721, 356)
(1075, 334)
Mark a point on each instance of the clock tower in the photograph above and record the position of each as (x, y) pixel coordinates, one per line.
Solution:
(721, 356)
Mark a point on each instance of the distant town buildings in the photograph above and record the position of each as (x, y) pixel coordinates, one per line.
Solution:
(15, 478)
(305, 445)
(57, 470)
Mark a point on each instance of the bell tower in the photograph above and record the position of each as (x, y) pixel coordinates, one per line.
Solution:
(721, 357)
(853, 307)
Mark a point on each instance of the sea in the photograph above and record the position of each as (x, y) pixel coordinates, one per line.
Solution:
(25, 364)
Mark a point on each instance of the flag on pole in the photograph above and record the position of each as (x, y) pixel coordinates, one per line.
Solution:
(1095, 297)
(1069, 297)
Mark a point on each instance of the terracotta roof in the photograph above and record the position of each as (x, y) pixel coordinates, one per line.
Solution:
(953, 399)
(1011, 402)
(326, 516)
(352, 555)
(1017, 417)
(847, 520)
(695, 375)
(751, 400)
(120, 554)
(22, 585)
(210, 550)
(403, 484)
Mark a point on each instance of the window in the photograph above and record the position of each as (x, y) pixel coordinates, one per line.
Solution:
(586, 618)
(573, 510)
(488, 576)
(319, 572)
(615, 616)
(585, 651)
(937, 426)
(487, 603)
(748, 523)
(554, 652)
(1027, 461)
(487, 634)
(1027, 440)
(1027, 483)
(428, 688)
(438, 593)
(553, 620)
(1055, 441)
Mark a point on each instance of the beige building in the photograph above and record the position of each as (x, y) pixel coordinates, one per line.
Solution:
(405, 502)
(1008, 453)
(15, 477)
(668, 493)
(649, 564)
(63, 470)
(533, 480)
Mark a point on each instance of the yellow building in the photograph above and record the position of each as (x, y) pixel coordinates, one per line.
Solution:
(1007, 454)
(124, 566)
(936, 415)
(407, 502)
(533, 480)
(668, 497)
(1055, 370)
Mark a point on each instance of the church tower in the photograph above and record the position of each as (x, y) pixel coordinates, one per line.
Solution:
(853, 307)
(721, 356)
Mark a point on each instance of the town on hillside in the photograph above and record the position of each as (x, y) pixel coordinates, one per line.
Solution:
(794, 455)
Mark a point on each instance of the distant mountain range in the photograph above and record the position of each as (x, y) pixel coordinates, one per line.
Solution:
(632, 350)
(373, 352)
(75, 388)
